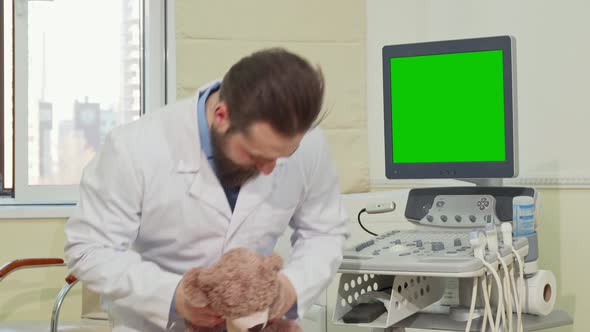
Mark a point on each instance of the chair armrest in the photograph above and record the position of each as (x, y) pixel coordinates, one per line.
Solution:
(26, 263)
(71, 279)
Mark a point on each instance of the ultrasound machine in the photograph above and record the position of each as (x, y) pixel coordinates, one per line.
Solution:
(470, 261)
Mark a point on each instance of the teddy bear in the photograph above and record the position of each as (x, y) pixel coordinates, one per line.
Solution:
(243, 287)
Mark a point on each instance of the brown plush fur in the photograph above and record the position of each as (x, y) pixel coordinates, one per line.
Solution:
(240, 283)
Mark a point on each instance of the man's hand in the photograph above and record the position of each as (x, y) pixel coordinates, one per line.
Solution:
(284, 300)
(199, 314)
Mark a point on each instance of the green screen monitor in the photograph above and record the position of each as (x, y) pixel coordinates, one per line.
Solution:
(449, 109)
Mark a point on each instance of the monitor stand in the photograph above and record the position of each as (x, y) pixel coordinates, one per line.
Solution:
(487, 182)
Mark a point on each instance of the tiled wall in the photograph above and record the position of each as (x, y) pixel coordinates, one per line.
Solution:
(212, 35)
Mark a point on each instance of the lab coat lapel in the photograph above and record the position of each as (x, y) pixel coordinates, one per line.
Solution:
(206, 188)
(191, 159)
(251, 195)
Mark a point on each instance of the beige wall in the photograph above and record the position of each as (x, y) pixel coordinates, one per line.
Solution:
(212, 35)
(563, 231)
(29, 294)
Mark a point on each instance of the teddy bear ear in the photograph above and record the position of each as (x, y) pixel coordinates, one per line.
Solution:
(275, 261)
(192, 288)
(198, 299)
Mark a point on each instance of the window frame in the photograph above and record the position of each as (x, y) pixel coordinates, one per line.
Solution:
(3, 190)
(157, 88)
(2, 176)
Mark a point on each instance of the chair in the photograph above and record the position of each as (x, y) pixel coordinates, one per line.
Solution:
(84, 325)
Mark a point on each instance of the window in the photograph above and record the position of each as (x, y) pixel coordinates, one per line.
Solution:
(73, 70)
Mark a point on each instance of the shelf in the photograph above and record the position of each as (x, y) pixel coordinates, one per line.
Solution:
(443, 322)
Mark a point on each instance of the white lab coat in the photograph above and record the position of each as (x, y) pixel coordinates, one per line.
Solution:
(151, 208)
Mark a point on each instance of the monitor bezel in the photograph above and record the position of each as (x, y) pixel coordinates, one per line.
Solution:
(453, 170)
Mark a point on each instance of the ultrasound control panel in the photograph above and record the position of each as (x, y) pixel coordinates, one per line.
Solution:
(461, 211)
(420, 251)
(444, 217)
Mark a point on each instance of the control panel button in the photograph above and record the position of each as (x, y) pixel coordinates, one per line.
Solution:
(458, 218)
(430, 218)
(399, 247)
(443, 218)
(437, 246)
(472, 218)
(364, 245)
(483, 204)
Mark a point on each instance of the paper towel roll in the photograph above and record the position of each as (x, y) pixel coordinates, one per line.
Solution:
(541, 292)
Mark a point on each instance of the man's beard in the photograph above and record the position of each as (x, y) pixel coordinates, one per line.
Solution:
(228, 172)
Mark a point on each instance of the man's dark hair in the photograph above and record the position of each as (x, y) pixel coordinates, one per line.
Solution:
(274, 86)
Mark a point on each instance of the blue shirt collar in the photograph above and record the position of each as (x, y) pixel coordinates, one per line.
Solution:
(204, 132)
